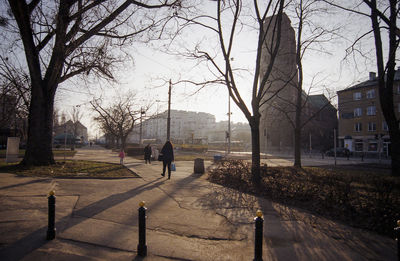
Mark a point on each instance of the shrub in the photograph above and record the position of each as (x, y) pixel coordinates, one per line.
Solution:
(368, 201)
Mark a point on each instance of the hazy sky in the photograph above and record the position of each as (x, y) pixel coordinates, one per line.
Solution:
(149, 64)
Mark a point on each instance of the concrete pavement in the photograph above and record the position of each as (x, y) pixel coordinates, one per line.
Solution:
(188, 218)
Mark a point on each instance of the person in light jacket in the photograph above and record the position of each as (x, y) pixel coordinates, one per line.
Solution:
(167, 152)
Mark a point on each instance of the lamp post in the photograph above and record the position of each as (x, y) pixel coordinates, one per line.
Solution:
(141, 118)
(169, 111)
(229, 123)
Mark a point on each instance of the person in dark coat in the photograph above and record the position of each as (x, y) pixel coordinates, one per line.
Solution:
(147, 153)
(167, 152)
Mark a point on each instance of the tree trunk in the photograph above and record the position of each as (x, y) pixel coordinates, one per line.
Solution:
(40, 128)
(297, 146)
(395, 150)
(395, 153)
(255, 149)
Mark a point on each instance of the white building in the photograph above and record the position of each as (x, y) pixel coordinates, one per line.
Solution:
(186, 127)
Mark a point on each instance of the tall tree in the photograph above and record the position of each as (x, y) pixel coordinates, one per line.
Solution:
(118, 119)
(227, 24)
(383, 16)
(310, 36)
(65, 38)
(76, 116)
(14, 86)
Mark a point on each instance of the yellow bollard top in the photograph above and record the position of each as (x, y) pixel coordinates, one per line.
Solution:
(52, 193)
(259, 213)
(141, 204)
(398, 223)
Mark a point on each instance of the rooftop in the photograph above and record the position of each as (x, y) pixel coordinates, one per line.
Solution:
(372, 81)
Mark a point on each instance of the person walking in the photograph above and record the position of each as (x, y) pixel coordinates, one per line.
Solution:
(147, 154)
(167, 152)
(121, 156)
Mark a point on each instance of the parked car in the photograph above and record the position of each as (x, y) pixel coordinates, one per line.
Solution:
(340, 152)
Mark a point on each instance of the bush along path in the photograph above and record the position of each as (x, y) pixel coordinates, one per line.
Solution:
(359, 198)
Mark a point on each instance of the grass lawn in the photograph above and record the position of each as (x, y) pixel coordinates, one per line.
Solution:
(57, 153)
(70, 169)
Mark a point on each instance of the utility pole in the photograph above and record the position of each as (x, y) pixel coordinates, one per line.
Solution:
(229, 123)
(65, 138)
(169, 111)
(140, 129)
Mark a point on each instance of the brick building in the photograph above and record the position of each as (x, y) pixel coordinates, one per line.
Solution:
(362, 126)
(278, 110)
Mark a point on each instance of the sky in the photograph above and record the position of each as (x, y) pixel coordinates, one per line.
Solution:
(151, 63)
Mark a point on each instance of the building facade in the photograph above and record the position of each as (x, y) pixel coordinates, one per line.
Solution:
(76, 130)
(276, 132)
(279, 102)
(186, 127)
(362, 126)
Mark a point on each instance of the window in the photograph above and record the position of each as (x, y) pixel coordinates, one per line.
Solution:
(358, 127)
(358, 145)
(372, 146)
(371, 126)
(357, 112)
(357, 96)
(385, 126)
(371, 110)
(371, 94)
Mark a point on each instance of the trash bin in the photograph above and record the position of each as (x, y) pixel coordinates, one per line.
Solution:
(199, 166)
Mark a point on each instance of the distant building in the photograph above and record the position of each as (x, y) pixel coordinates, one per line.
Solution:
(278, 110)
(73, 131)
(362, 126)
(186, 127)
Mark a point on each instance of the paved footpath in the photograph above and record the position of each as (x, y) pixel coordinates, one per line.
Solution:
(188, 218)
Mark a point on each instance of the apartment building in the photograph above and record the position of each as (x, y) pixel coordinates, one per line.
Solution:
(186, 126)
(362, 126)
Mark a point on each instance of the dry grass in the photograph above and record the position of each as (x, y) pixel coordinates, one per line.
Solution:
(58, 152)
(71, 169)
(362, 197)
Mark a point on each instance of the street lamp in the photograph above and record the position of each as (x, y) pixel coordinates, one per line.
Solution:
(141, 117)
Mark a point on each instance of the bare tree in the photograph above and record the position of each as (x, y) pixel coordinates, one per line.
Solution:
(118, 119)
(15, 88)
(310, 36)
(383, 16)
(76, 116)
(65, 38)
(227, 23)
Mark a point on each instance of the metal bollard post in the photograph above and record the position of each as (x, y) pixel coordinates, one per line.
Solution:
(142, 248)
(258, 236)
(51, 230)
(397, 235)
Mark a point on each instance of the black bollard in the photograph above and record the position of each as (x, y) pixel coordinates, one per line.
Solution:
(142, 248)
(51, 230)
(258, 237)
(397, 235)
